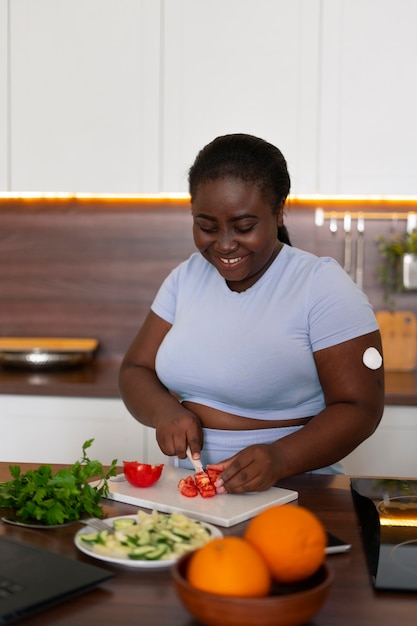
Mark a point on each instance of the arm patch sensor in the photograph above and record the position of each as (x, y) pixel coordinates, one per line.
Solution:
(372, 358)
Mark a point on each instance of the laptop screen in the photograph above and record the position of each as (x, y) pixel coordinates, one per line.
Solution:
(32, 579)
(387, 513)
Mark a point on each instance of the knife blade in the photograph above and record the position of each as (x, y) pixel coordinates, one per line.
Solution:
(204, 485)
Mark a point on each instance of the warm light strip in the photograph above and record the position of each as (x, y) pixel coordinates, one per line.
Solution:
(398, 521)
(314, 198)
(53, 195)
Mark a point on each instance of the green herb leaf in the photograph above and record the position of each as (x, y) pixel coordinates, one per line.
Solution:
(56, 498)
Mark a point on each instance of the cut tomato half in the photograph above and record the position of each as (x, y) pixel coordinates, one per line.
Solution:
(142, 474)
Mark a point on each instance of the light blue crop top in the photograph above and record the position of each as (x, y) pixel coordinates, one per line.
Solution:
(251, 353)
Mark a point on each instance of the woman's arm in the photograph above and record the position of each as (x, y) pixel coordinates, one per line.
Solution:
(148, 400)
(354, 396)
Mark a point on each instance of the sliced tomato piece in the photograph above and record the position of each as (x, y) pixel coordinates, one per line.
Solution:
(188, 487)
(213, 474)
(204, 485)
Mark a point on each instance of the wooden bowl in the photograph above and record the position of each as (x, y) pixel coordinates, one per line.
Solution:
(286, 606)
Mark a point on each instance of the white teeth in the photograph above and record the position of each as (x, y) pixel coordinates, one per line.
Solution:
(230, 261)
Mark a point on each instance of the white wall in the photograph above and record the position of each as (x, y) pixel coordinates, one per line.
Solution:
(118, 96)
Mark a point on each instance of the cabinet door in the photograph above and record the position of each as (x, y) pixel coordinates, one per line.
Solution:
(46, 429)
(369, 97)
(391, 450)
(240, 66)
(4, 108)
(84, 95)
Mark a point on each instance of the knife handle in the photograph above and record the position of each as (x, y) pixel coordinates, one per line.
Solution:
(196, 463)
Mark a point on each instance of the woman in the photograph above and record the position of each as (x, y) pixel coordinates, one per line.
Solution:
(262, 358)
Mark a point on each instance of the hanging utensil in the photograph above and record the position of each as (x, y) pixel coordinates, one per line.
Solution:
(411, 222)
(360, 252)
(347, 226)
(319, 217)
(333, 224)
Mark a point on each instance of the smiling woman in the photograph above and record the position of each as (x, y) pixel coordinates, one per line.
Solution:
(252, 353)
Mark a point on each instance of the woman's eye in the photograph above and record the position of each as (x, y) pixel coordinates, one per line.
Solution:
(208, 229)
(244, 229)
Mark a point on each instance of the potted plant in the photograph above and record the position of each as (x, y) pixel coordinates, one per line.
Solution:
(399, 253)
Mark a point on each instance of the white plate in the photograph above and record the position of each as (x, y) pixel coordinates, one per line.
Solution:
(134, 563)
(34, 524)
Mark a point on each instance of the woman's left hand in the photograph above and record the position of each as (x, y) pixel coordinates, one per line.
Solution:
(255, 468)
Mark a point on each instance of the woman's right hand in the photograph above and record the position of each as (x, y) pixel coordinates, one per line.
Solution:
(175, 433)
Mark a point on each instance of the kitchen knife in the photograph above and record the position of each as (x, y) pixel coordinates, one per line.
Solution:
(204, 485)
(198, 467)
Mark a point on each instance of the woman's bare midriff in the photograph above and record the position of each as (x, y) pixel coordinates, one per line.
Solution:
(220, 420)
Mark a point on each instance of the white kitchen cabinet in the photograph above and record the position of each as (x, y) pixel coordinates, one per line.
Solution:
(49, 429)
(118, 97)
(368, 97)
(84, 95)
(240, 66)
(4, 136)
(391, 450)
(43, 429)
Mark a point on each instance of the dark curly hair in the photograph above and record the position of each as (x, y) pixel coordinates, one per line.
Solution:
(247, 158)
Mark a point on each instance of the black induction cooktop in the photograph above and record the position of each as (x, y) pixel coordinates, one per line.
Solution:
(387, 514)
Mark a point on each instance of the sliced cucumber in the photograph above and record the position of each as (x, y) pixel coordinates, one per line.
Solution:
(157, 553)
(89, 537)
(141, 552)
(172, 536)
(150, 537)
(120, 524)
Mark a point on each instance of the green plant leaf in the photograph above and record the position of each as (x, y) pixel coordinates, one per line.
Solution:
(55, 498)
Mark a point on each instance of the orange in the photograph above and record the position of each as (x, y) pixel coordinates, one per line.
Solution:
(229, 566)
(291, 539)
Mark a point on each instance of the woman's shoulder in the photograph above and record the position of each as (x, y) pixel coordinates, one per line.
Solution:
(296, 257)
(196, 264)
(193, 270)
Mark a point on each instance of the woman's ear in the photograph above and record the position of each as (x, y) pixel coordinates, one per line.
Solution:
(280, 213)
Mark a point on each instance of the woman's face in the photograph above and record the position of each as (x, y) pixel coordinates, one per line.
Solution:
(235, 230)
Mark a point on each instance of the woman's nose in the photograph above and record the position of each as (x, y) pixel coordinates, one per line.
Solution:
(226, 243)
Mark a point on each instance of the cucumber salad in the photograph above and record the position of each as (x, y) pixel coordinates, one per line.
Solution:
(147, 537)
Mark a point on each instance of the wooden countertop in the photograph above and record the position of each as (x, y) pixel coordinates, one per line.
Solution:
(100, 380)
(133, 597)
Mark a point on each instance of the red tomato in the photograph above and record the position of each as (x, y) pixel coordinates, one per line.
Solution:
(213, 474)
(204, 485)
(141, 474)
(188, 487)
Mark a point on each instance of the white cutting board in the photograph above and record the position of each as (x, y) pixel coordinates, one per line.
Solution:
(223, 509)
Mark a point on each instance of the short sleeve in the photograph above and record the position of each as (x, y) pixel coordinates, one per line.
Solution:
(338, 309)
(165, 301)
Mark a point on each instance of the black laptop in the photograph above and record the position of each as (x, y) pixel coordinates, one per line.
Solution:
(387, 514)
(32, 579)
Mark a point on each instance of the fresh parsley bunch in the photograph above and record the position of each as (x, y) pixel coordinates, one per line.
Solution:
(56, 498)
